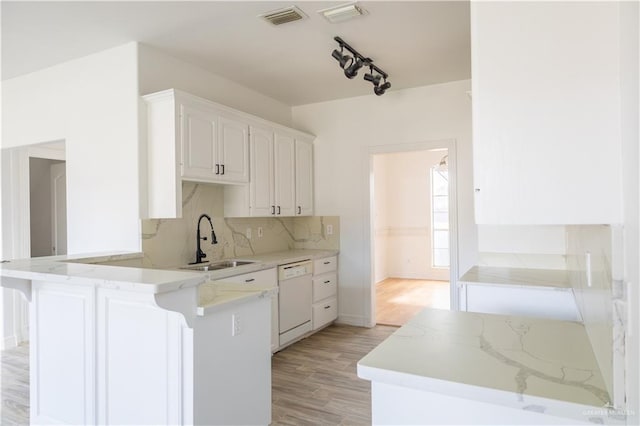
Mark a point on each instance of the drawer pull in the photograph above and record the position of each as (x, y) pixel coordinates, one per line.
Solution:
(327, 307)
(327, 281)
(249, 280)
(327, 262)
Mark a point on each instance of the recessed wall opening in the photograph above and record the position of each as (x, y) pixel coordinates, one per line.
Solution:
(410, 217)
(47, 206)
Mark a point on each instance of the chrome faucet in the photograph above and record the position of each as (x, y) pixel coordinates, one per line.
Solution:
(199, 253)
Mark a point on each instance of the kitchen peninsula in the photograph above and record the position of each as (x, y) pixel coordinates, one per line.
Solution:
(446, 367)
(126, 345)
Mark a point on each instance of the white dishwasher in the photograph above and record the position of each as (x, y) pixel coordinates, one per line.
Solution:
(295, 298)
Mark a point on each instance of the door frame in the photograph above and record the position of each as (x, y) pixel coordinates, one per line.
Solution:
(16, 223)
(450, 145)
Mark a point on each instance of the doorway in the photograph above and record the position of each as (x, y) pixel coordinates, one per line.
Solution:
(411, 238)
(25, 233)
(47, 207)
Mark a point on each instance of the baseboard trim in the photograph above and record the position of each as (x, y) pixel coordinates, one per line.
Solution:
(355, 320)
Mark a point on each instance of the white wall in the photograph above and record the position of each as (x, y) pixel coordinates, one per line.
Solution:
(346, 131)
(92, 103)
(381, 269)
(630, 114)
(159, 71)
(403, 227)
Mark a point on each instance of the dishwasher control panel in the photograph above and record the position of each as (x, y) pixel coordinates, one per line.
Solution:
(296, 269)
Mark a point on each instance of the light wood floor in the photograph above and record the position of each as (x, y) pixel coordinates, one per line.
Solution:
(397, 300)
(14, 385)
(314, 381)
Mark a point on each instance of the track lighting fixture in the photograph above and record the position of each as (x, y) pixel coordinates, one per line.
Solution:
(352, 64)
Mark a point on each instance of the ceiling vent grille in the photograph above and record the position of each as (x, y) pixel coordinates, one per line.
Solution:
(283, 16)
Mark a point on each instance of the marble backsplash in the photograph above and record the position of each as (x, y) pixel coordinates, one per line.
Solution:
(172, 242)
(594, 263)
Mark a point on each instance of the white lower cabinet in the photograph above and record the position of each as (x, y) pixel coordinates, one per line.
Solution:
(232, 371)
(265, 278)
(325, 292)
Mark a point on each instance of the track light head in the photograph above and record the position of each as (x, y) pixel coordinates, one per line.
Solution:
(352, 70)
(344, 60)
(379, 90)
(375, 79)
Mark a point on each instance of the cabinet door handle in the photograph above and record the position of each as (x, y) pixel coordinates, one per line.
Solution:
(299, 210)
(217, 169)
(249, 280)
(278, 209)
(273, 209)
(327, 262)
(327, 307)
(222, 166)
(327, 281)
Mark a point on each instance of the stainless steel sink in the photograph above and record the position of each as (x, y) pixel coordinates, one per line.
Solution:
(213, 266)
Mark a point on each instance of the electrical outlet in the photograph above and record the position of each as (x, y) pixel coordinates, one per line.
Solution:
(248, 233)
(235, 325)
(329, 229)
(260, 234)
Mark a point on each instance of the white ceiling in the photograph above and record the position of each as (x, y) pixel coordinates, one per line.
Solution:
(417, 43)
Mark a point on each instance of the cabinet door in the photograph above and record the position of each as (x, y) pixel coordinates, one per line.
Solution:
(284, 175)
(199, 141)
(546, 138)
(304, 178)
(233, 149)
(261, 191)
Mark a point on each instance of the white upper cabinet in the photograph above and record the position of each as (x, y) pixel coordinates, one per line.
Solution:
(284, 175)
(215, 148)
(190, 138)
(233, 148)
(199, 142)
(262, 193)
(281, 181)
(546, 112)
(304, 178)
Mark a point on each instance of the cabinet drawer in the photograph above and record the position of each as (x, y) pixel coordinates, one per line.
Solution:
(325, 285)
(267, 277)
(324, 312)
(327, 264)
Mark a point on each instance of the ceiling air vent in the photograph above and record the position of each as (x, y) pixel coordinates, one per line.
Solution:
(283, 16)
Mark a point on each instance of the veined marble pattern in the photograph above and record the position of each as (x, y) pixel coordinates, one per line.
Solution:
(601, 309)
(172, 242)
(543, 362)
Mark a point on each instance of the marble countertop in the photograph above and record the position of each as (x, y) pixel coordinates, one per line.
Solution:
(85, 270)
(93, 269)
(517, 276)
(268, 261)
(214, 296)
(524, 363)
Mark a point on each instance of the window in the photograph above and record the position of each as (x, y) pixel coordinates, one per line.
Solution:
(439, 217)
